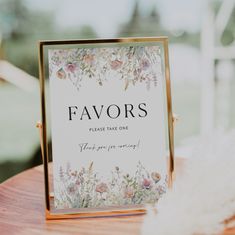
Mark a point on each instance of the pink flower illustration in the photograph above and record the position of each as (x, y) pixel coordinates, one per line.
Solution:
(120, 187)
(71, 67)
(89, 59)
(94, 63)
(116, 64)
(128, 193)
(145, 64)
(155, 176)
(161, 189)
(101, 188)
(71, 189)
(61, 74)
(147, 183)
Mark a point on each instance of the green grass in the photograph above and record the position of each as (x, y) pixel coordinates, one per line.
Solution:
(19, 113)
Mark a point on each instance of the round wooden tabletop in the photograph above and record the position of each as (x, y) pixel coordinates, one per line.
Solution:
(22, 212)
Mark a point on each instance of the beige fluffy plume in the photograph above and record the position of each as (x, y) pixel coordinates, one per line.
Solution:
(203, 196)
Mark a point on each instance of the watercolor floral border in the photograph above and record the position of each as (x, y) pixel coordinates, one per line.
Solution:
(132, 65)
(85, 189)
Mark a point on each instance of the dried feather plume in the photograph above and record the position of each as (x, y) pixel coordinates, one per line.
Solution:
(203, 196)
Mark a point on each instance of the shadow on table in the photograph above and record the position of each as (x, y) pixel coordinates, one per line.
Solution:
(11, 168)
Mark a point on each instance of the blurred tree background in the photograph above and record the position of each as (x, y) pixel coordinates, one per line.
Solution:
(21, 26)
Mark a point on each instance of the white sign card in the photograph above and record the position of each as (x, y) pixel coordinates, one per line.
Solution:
(109, 125)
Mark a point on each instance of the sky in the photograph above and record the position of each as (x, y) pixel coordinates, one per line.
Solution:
(107, 15)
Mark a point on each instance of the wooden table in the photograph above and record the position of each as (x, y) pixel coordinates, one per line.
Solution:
(22, 212)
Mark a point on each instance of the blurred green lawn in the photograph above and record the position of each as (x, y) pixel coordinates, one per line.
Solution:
(20, 112)
(18, 135)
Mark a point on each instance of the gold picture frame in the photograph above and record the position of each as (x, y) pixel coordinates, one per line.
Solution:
(51, 213)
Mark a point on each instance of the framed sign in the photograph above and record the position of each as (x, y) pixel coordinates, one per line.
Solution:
(106, 110)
